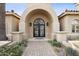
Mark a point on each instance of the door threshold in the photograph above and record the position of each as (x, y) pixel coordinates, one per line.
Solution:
(38, 39)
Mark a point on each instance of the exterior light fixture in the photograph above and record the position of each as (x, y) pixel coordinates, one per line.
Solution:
(30, 24)
(47, 24)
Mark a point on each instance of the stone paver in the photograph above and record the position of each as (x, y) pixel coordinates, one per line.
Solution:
(38, 48)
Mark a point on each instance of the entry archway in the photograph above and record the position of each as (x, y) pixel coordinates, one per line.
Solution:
(46, 14)
(38, 18)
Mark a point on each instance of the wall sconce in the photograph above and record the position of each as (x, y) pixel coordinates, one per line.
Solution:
(30, 24)
(47, 24)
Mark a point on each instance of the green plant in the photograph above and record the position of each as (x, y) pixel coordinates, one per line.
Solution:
(55, 40)
(50, 41)
(13, 50)
(56, 43)
(24, 43)
(71, 52)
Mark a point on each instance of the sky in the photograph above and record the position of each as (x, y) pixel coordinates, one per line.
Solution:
(58, 7)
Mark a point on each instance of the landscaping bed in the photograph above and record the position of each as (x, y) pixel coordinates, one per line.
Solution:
(61, 50)
(15, 49)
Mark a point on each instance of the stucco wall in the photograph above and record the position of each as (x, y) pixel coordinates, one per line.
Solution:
(15, 24)
(11, 23)
(66, 24)
(62, 22)
(8, 22)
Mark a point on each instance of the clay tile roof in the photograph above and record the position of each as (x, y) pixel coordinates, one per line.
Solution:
(68, 12)
(12, 13)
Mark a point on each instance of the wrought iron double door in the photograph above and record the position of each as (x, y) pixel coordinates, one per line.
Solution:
(39, 28)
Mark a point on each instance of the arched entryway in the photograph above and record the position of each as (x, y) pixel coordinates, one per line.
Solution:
(39, 28)
(39, 22)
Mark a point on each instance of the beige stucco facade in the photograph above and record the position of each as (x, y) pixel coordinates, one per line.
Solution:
(12, 22)
(69, 22)
(66, 20)
(43, 11)
(54, 26)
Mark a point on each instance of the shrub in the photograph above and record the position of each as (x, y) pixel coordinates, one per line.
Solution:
(50, 41)
(55, 40)
(55, 43)
(13, 50)
(71, 52)
(24, 43)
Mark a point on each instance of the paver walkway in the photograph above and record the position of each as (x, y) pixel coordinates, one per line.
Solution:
(38, 48)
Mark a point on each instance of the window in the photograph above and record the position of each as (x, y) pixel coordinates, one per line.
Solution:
(75, 26)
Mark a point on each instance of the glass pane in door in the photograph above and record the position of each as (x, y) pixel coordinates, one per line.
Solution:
(36, 30)
(42, 30)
